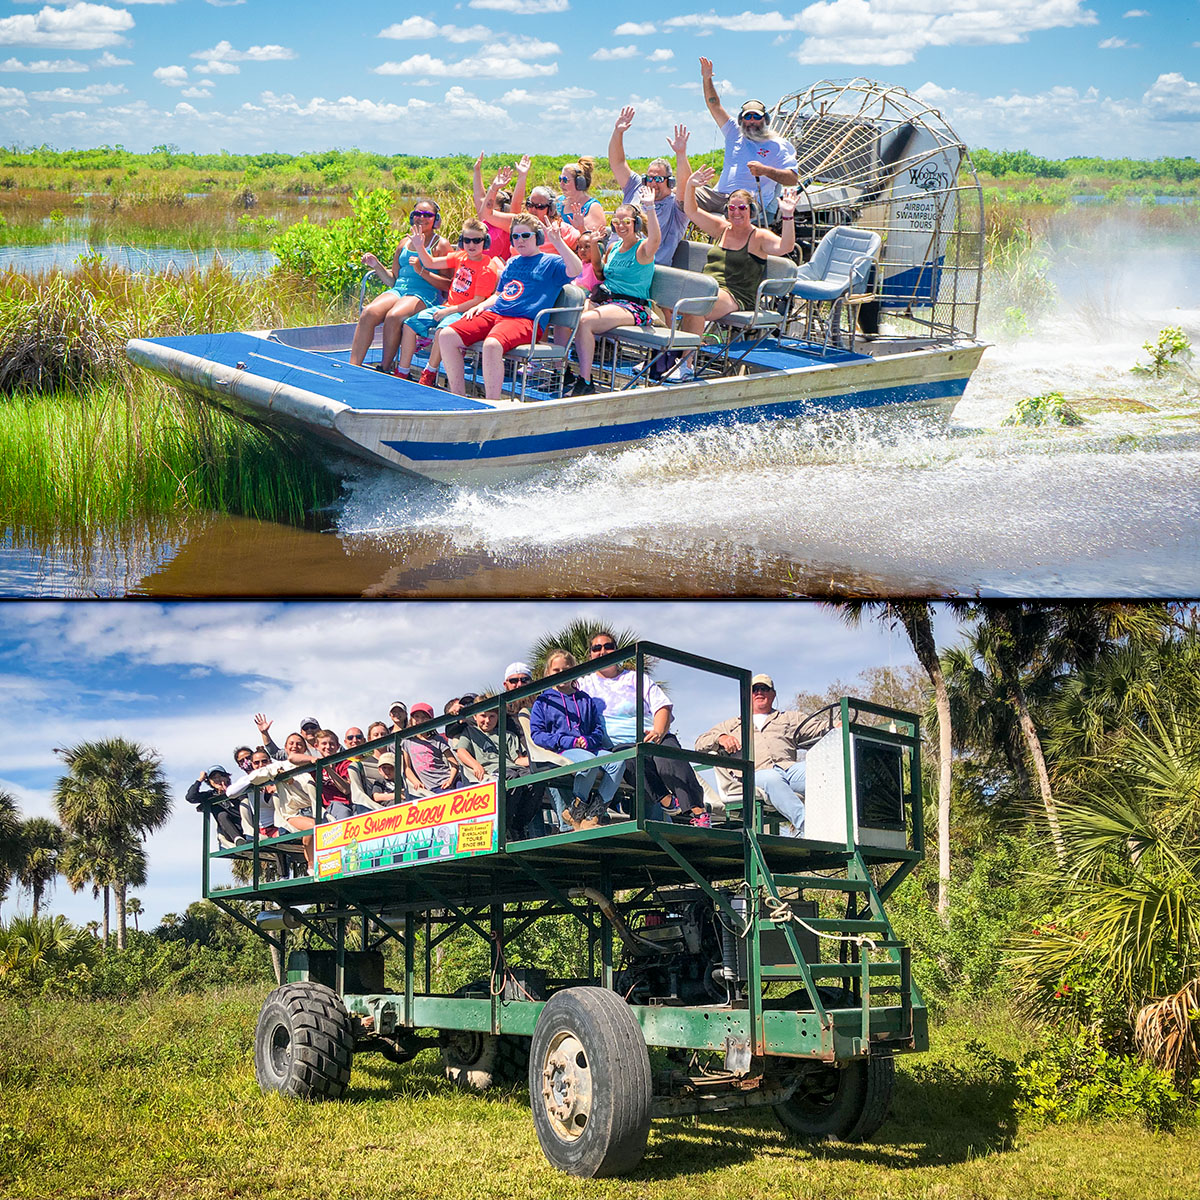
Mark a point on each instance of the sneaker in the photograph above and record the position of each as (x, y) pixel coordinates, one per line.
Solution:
(428, 378)
(701, 820)
(680, 373)
(399, 374)
(269, 831)
(582, 387)
(671, 810)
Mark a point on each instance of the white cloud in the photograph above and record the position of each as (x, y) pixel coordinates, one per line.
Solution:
(561, 95)
(171, 76)
(216, 67)
(201, 92)
(108, 59)
(635, 29)
(224, 52)
(1116, 43)
(522, 8)
(743, 22)
(77, 27)
(225, 3)
(1134, 12)
(419, 28)
(661, 55)
(11, 97)
(888, 33)
(44, 66)
(1173, 98)
(500, 60)
(605, 54)
(91, 94)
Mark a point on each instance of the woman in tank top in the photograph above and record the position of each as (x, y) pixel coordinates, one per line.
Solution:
(737, 259)
(628, 273)
(410, 287)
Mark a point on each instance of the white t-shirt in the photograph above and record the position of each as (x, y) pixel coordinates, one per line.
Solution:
(741, 151)
(617, 702)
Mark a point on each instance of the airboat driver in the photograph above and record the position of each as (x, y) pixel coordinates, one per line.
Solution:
(780, 742)
(672, 223)
(754, 158)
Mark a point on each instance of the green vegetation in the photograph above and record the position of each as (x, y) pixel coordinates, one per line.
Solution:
(1169, 351)
(102, 444)
(1050, 409)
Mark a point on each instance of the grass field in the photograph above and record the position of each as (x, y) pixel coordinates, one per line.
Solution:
(157, 1097)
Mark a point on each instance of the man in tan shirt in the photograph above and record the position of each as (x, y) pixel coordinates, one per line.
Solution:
(781, 739)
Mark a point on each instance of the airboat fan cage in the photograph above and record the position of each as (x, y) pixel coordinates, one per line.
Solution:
(877, 157)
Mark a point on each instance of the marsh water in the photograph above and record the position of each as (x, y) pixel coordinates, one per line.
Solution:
(1107, 508)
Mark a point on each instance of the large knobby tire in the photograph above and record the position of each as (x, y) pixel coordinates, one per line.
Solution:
(304, 1042)
(589, 1083)
(846, 1104)
(475, 1062)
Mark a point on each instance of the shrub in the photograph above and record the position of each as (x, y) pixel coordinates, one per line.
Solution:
(1071, 1077)
(1050, 409)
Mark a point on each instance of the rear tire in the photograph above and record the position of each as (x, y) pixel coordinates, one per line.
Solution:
(589, 1083)
(845, 1104)
(304, 1042)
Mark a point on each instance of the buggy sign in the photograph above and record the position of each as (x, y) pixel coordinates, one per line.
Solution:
(451, 825)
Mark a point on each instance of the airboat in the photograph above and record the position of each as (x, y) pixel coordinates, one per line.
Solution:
(879, 317)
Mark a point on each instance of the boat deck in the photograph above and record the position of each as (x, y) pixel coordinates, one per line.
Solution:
(326, 371)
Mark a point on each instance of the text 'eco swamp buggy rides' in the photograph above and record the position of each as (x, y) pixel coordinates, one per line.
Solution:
(726, 967)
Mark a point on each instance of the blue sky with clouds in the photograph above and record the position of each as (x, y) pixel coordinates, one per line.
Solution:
(186, 680)
(548, 76)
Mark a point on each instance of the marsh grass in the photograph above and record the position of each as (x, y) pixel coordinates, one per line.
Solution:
(156, 1097)
(90, 440)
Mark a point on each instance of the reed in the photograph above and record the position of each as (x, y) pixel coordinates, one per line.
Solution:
(88, 440)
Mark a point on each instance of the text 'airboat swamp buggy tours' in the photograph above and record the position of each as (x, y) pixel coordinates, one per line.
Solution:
(890, 223)
(725, 967)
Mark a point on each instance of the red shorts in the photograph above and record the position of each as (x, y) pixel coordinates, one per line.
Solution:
(510, 332)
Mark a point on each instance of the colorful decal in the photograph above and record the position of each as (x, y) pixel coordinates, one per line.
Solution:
(514, 289)
(452, 825)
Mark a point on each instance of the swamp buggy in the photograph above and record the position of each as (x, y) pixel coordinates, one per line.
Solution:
(764, 967)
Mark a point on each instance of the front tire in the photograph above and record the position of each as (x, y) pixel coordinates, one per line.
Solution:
(846, 1104)
(589, 1083)
(304, 1042)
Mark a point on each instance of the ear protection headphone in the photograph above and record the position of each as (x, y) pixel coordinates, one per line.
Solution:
(539, 234)
(437, 211)
(487, 241)
(753, 209)
(758, 106)
(670, 179)
(581, 183)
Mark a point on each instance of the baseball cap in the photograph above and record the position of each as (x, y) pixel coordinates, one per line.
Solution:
(517, 668)
(219, 771)
(310, 722)
(388, 758)
(427, 709)
(763, 679)
(397, 704)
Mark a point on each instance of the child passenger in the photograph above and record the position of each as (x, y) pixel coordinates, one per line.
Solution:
(474, 280)
(529, 283)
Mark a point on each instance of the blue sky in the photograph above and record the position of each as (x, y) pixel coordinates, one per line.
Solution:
(186, 679)
(548, 76)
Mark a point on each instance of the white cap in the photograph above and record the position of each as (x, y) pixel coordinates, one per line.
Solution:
(518, 668)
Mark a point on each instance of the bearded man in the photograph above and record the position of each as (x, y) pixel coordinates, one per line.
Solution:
(755, 159)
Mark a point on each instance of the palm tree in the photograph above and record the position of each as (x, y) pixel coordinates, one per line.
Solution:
(10, 824)
(916, 618)
(575, 637)
(114, 792)
(133, 908)
(41, 841)
(85, 861)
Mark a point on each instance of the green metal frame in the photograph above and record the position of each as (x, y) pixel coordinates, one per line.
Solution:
(499, 896)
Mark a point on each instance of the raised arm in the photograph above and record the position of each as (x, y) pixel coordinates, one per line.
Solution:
(782, 243)
(478, 181)
(705, 222)
(486, 209)
(386, 277)
(710, 94)
(554, 233)
(683, 168)
(616, 148)
(518, 197)
(649, 245)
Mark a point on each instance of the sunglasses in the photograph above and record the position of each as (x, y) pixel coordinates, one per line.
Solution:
(761, 687)
(624, 221)
(519, 679)
(421, 214)
(566, 179)
(655, 178)
(602, 648)
(472, 241)
(355, 737)
(738, 207)
(521, 235)
(754, 116)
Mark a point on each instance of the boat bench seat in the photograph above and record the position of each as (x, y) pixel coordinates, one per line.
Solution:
(678, 293)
